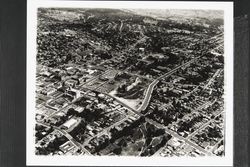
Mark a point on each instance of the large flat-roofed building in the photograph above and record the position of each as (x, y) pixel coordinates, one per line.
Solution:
(70, 123)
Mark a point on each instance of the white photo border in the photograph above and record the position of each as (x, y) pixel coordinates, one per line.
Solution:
(32, 159)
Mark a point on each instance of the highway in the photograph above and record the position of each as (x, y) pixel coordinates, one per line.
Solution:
(144, 105)
(154, 83)
(167, 130)
(146, 102)
(123, 104)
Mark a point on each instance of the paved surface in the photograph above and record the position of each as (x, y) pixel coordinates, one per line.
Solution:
(68, 136)
(203, 126)
(105, 130)
(179, 137)
(154, 83)
(144, 105)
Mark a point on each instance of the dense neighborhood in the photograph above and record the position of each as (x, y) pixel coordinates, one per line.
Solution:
(117, 82)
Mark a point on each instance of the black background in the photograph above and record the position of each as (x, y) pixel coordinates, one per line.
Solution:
(13, 83)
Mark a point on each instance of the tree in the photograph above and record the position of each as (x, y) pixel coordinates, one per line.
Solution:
(42, 151)
(117, 151)
(72, 111)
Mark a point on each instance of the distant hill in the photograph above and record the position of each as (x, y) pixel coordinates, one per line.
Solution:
(177, 13)
(201, 17)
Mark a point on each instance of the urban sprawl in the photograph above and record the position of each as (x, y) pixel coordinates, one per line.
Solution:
(119, 82)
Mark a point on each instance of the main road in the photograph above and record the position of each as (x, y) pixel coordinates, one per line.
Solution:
(172, 133)
(68, 136)
(154, 83)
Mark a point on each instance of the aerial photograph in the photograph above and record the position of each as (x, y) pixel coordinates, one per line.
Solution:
(129, 82)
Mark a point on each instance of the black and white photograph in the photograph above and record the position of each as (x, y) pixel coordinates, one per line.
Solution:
(131, 81)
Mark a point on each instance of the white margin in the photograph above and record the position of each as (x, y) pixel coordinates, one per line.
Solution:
(32, 159)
